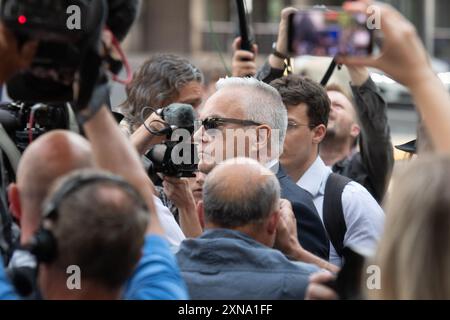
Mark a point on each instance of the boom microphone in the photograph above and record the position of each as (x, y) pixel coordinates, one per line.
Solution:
(179, 115)
(246, 43)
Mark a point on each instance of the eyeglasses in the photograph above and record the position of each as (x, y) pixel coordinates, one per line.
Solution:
(292, 125)
(214, 123)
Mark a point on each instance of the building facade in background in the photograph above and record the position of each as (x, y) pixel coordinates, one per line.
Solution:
(193, 27)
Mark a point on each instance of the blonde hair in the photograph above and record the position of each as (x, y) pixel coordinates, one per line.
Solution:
(414, 253)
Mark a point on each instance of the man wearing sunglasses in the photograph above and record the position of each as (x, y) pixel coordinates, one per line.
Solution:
(246, 117)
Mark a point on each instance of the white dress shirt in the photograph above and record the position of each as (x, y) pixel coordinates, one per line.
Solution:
(363, 216)
(173, 233)
(273, 165)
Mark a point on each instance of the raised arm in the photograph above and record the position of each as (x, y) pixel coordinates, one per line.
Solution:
(375, 138)
(244, 62)
(405, 59)
(274, 67)
(113, 152)
(142, 139)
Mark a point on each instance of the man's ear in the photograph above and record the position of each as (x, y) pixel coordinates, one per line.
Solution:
(319, 133)
(272, 222)
(355, 131)
(14, 201)
(201, 213)
(263, 137)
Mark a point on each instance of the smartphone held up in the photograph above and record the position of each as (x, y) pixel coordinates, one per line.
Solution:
(329, 32)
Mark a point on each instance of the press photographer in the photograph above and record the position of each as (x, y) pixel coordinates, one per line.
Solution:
(163, 98)
(173, 164)
(45, 62)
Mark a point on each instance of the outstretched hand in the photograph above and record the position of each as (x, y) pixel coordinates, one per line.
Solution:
(244, 62)
(402, 48)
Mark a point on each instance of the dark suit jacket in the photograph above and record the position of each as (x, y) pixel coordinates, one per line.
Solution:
(311, 232)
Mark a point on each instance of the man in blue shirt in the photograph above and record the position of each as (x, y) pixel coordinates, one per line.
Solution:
(98, 222)
(156, 276)
(234, 259)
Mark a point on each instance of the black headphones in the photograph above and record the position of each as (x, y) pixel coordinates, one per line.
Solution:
(43, 244)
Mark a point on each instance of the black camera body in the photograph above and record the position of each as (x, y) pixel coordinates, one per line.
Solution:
(162, 156)
(66, 31)
(15, 119)
(176, 157)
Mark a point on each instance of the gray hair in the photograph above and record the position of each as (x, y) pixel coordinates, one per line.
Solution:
(159, 79)
(234, 198)
(264, 105)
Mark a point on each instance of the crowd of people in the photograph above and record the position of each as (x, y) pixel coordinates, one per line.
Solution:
(291, 175)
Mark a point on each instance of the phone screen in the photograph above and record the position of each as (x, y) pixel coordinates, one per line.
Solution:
(319, 32)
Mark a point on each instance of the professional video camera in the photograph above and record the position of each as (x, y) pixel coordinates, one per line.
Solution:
(70, 49)
(24, 122)
(70, 52)
(178, 156)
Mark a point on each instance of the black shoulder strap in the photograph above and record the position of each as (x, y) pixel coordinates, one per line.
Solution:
(333, 214)
(5, 217)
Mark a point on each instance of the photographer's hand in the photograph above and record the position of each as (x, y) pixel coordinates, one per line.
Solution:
(405, 59)
(244, 62)
(317, 288)
(282, 40)
(287, 240)
(179, 192)
(12, 59)
(403, 56)
(358, 75)
(142, 139)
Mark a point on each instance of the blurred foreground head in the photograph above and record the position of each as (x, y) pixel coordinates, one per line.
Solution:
(98, 223)
(414, 253)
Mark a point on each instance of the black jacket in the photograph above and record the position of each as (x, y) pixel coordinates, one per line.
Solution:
(311, 232)
(372, 165)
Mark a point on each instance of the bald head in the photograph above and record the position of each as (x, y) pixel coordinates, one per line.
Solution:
(49, 157)
(240, 192)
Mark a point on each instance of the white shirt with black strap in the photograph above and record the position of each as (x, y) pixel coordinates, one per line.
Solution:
(363, 216)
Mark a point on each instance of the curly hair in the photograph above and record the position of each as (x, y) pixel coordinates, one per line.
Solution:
(156, 84)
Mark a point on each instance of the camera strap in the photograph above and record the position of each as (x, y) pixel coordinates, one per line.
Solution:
(5, 217)
(329, 72)
(9, 147)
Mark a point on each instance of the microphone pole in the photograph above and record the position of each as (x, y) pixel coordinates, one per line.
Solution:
(246, 43)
